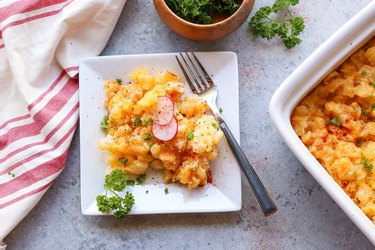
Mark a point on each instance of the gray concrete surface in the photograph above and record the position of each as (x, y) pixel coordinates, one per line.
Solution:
(307, 217)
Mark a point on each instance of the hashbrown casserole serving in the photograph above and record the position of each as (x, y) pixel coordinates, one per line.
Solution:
(336, 121)
(131, 144)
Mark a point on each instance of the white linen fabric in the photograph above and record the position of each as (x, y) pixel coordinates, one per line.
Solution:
(41, 42)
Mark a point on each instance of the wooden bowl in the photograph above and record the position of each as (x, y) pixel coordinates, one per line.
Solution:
(204, 32)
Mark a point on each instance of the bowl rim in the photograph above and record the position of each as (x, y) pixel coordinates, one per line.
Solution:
(332, 53)
(211, 25)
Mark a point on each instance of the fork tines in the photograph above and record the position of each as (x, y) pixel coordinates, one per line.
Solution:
(194, 72)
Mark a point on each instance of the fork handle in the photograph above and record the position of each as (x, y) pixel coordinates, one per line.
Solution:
(261, 194)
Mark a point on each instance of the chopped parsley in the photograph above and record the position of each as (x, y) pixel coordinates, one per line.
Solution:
(115, 182)
(130, 182)
(214, 125)
(364, 72)
(141, 179)
(373, 84)
(137, 121)
(151, 144)
(148, 122)
(367, 164)
(335, 121)
(220, 110)
(148, 137)
(262, 24)
(123, 160)
(11, 174)
(201, 12)
(363, 111)
(104, 124)
(119, 81)
(373, 106)
(190, 136)
(166, 191)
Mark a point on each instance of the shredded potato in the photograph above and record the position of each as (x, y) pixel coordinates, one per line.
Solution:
(336, 121)
(182, 159)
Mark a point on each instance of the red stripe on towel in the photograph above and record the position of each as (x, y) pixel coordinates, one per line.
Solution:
(32, 18)
(38, 173)
(25, 6)
(42, 117)
(14, 120)
(59, 78)
(46, 139)
(30, 107)
(33, 176)
(35, 191)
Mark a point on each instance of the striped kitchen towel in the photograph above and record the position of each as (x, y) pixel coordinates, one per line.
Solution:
(41, 42)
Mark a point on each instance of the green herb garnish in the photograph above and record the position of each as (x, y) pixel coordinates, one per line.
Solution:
(123, 160)
(201, 11)
(214, 125)
(130, 182)
(148, 137)
(104, 124)
(141, 179)
(288, 29)
(119, 81)
(190, 136)
(220, 110)
(367, 164)
(373, 84)
(335, 121)
(373, 106)
(11, 174)
(364, 72)
(166, 191)
(115, 182)
(137, 121)
(363, 111)
(148, 122)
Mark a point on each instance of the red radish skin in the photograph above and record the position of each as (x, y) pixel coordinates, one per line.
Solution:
(164, 110)
(165, 132)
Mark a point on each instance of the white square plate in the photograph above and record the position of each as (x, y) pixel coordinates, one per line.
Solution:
(223, 194)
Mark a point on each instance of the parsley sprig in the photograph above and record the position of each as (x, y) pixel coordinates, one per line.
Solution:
(104, 124)
(366, 162)
(335, 121)
(137, 121)
(115, 182)
(119, 81)
(141, 179)
(190, 136)
(288, 29)
(201, 11)
(148, 122)
(11, 174)
(148, 137)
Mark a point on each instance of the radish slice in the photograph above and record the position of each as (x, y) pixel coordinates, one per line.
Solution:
(165, 132)
(164, 110)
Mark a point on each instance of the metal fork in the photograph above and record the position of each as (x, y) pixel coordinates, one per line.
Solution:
(201, 84)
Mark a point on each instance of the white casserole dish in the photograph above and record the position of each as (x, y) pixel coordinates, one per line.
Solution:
(328, 56)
